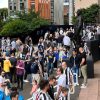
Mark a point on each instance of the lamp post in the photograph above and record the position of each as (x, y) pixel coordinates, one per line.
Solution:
(71, 11)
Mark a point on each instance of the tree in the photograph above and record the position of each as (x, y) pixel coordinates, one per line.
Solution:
(25, 23)
(90, 15)
(3, 13)
(15, 27)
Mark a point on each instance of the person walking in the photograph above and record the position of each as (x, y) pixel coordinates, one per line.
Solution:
(74, 62)
(13, 61)
(6, 68)
(20, 73)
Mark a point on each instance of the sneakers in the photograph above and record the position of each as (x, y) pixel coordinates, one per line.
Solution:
(83, 86)
(26, 81)
(75, 84)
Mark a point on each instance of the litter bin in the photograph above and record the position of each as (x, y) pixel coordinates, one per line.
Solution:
(90, 66)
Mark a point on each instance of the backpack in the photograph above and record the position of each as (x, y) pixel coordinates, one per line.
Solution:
(34, 68)
(39, 94)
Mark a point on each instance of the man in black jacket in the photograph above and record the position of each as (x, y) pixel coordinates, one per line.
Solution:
(13, 61)
(74, 63)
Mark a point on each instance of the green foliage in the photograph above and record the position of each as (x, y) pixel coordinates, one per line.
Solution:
(74, 19)
(3, 13)
(15, 27)
(90, 15)
(37, 22)
(25, 23)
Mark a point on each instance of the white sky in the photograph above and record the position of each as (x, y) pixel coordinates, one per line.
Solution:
(3, 3)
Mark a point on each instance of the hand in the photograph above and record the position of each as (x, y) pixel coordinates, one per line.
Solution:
(17, 67)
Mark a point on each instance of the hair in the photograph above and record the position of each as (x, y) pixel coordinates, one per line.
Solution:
(13, 95)
(52, 77)
(74, 50)
(14, 89)
(33, 59)
(43, 83)
(18, 58)
(64, 89)
(61, 69)
(65, 62)
(35, 81)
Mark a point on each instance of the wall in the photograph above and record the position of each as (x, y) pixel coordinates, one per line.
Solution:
(84, 3)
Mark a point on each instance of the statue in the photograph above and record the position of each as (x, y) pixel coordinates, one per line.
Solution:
(78, 27)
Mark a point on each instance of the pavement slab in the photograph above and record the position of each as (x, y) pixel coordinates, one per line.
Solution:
(92, 92)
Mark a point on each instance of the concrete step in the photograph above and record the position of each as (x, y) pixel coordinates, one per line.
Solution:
(92, 92)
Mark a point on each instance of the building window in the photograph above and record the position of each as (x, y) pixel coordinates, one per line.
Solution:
(14, 7)
(21, 6)
(66, 0)
(10, 7)
(33, 6)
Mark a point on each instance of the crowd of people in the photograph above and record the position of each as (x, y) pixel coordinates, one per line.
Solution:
(54, 65)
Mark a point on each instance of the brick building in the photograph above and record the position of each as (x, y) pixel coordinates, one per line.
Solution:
(48, 9)
(84, 3)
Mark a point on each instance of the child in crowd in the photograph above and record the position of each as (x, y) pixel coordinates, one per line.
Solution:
(34, 89)
(64, 95)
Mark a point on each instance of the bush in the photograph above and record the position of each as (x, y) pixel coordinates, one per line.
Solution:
(15, 27)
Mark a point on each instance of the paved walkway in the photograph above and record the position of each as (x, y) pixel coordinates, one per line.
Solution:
(92, 92)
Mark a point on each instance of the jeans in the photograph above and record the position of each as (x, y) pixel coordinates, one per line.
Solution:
(50, 67)
(13, 74)
(75, 70)
(20, 81)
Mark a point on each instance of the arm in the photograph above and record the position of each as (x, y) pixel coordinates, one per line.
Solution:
(47, 59)
(54, 59)
(21, 64)
(19, 67)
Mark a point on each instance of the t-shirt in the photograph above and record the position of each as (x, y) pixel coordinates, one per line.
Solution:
(13, 44)
(61, 81)
(82, 55)
(22, 65)
(7, 66)
(56, 54)
(13, 61)
(67, 41)
(44, 96)
(34, 68)
(2, 95)
(62, 98)
(51, 57)
(20, 97)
